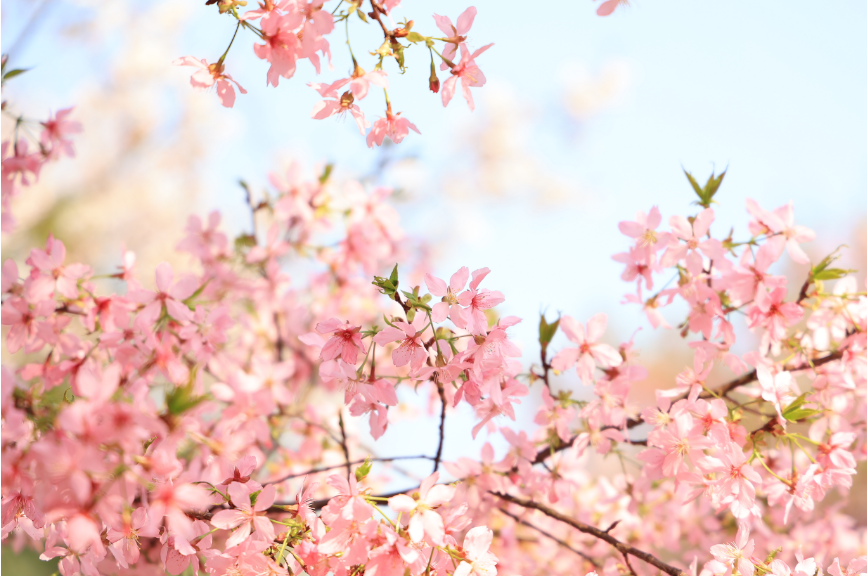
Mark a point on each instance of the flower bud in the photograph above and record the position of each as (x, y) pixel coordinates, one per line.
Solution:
(433, 81)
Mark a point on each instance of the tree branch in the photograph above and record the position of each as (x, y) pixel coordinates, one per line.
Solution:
(596, 532)
(343, 443)
(747, 378)
(442, 394)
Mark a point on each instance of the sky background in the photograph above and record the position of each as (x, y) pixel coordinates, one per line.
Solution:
(774, 91)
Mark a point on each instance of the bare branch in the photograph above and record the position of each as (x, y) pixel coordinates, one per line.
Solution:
(593, 531)
(442, 425)
(343, 443)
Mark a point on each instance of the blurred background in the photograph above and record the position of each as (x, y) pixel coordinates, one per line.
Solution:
(582, 122)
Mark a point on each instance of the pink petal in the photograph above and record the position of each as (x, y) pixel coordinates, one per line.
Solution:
(164, 276)
(228, 519)
(465, 21)
(435, 286)
(401, 503)
(478, 541)
(596, 327)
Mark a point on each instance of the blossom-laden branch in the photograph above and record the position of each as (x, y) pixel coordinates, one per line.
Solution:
(146, 424)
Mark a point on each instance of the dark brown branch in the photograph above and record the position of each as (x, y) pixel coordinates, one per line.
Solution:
(376, 15)
(343, 444)
(319, 504)
(280, 345)
(439, 455)
(752, 375)
(596, 532)
(548, 535)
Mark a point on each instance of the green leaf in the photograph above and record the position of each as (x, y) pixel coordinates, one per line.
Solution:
(326, 173)
(415, 37)
(821, 271)
(547, 331)
(770, 557)
(796, 411)
(245, 241)
(55, 396)
(387, 286)
(706, 193)
(362, 471)
(694, 183)
(713, 184)
(183, 398)
(14, 73)
(832, 274)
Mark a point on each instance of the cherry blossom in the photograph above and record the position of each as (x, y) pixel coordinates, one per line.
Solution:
(481, 562)
(424, 521)
(589, 352)
(210, 75)
(468, 72)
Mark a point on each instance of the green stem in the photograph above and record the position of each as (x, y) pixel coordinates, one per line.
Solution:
(226, 53)
(350, 45)
(378, 509)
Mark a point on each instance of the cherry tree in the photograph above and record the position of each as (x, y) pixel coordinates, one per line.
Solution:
(195, 419)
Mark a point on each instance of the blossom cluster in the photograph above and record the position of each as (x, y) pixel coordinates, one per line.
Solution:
(294, 30)
(21, 164)
(173, 424)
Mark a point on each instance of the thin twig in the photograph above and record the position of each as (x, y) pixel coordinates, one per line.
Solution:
(593, 531)
(439, 455)
(343, 444)
(280, 345)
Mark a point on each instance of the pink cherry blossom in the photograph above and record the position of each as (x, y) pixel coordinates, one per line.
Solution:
(169, 296)
(361, 81)
(448, 307)
(411, 350)
(455, 35)
(424, 521)
(737, 554)
(55, 136)
(477, 301)
(50, 261)
(210, 75)
(468, 72)
(609, 6)
(393, 125)
(480, 562)
(345, 344)
(281, 44)
(782, 222)
(246, 515)
(590, 352)
(338, 105)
